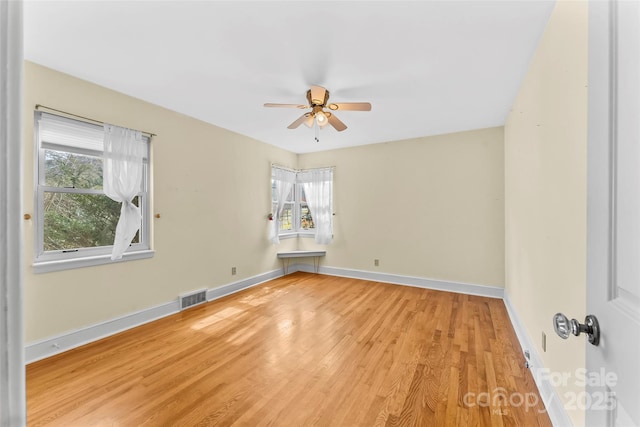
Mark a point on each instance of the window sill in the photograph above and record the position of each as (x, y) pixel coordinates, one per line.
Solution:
(294, 235)
(67, 264)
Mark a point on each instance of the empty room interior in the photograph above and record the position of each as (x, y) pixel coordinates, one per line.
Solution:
(342, 213)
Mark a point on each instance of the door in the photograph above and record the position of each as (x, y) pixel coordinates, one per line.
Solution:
(12, 373)
(612, 395)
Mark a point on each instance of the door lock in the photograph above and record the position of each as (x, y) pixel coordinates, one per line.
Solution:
(563, 327)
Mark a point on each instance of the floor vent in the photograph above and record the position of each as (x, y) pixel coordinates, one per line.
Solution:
(194, 298)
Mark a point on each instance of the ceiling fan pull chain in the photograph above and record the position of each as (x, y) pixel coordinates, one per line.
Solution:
(317, 130)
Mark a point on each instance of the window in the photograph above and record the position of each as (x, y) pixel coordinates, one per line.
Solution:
(297, 218)
(75, 220)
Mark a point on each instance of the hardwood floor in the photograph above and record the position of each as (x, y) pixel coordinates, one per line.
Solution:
(301, 350)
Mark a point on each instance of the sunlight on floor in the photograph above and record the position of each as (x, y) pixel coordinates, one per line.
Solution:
(215, 318)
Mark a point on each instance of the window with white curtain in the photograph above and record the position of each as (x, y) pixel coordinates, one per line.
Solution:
(307, 208)
(75, 220)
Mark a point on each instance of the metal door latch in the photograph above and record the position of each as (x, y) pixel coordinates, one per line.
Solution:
(563, 327)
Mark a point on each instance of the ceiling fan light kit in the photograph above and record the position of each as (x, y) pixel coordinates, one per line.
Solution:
(318, 98)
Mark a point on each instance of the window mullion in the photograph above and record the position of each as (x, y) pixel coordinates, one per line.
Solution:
(296, 203)
(49, 189)
(69, 149)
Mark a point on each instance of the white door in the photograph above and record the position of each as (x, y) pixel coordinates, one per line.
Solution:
(12, 376)
(612, 395)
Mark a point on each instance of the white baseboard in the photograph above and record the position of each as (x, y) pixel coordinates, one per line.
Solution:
(418, 282)
(231, 288)
(69, 340)
(557, 413)
(66, 341)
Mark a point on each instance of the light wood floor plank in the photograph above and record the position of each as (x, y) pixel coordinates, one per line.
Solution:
(301, 350)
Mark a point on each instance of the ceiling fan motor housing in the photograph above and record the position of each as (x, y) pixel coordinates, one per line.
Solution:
(317, 102)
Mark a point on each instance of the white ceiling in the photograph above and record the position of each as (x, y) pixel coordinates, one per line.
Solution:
(427, 67)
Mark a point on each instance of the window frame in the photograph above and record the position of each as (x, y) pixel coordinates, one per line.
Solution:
(56, 260)
(297, 230)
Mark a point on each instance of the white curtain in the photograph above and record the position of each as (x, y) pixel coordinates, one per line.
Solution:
(318, 188)
(124, 151)
(284, 180)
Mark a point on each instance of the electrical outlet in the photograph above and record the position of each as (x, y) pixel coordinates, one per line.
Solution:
(376, 262)
(233, 271)
(544, 342)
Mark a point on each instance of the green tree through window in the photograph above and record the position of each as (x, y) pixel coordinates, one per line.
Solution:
(74, 220)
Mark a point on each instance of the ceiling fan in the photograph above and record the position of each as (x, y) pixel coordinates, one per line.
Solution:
(318, 98)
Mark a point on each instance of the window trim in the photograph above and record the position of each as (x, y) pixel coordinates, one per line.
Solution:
(47, 261)
(88, 261)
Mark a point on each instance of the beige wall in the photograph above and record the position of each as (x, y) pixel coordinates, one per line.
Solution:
(211, 187)
(545, 192)
(429, 207)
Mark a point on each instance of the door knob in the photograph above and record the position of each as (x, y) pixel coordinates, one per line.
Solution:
(563, 327)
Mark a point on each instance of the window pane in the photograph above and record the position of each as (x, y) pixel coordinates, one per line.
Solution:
(62, 169)
(286, 219)
(306, 220)
(73, 221)
(274, 197)
(274, 192)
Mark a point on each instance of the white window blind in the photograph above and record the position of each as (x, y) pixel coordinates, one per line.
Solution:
(56, 130)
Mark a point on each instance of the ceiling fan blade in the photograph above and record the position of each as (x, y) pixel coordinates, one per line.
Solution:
(350, 106)
(336, 123)
(317, 95)
(299, 121)
(302, 107)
